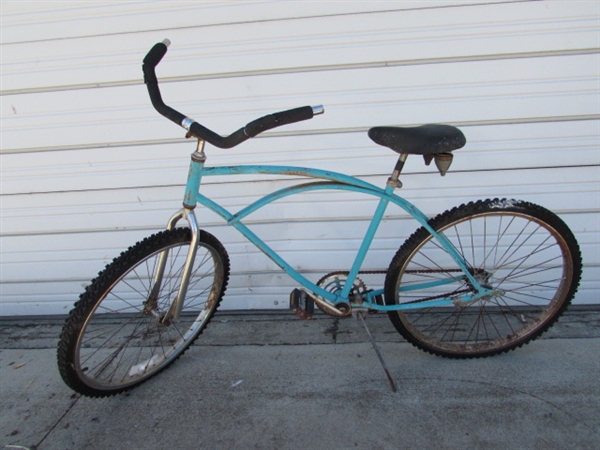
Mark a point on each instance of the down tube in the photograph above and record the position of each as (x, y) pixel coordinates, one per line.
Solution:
(234, 220)
(262, 246)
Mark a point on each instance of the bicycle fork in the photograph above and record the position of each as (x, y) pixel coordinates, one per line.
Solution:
(177, 304)
(187, 213)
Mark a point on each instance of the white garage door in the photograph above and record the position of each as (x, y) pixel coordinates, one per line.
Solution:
(88, 167)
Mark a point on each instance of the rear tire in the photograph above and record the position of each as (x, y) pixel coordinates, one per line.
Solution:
(113, 339)
(520, 249)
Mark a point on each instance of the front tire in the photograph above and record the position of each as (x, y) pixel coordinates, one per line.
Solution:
(114, 338)
(521, 250)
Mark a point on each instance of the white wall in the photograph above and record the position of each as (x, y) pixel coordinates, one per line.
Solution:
(88, 167)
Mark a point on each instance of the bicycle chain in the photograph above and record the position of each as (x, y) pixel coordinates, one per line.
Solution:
(376, 272)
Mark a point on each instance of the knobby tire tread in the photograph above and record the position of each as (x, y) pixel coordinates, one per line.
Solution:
(471, 209)
(106, 278)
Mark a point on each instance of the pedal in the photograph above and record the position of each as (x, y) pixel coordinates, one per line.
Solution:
(302, 304)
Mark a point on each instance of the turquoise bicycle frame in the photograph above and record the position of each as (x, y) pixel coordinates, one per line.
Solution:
(333, 181)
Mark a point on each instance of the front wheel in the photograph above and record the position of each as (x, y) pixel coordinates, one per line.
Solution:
(521, 251)
(116, 336)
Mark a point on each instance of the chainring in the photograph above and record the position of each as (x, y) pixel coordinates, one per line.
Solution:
(334, 282)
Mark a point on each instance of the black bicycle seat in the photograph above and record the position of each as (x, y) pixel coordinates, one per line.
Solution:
(422, 140)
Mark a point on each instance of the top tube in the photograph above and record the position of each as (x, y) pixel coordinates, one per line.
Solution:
(288, 171)
(341, 178)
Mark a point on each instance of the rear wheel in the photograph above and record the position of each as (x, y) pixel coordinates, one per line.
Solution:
(522, 251)
(114, 337)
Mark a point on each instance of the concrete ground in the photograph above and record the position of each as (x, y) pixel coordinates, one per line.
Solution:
(272, 381)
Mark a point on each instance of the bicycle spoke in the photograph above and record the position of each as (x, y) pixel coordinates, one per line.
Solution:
(517, 257)
(124, 339)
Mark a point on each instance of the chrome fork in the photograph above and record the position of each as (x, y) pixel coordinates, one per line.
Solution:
(187, 213)
(151, 303)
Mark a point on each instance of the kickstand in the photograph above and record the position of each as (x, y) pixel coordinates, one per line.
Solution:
(381, 360)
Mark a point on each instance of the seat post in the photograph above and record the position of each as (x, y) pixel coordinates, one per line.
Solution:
(393, 181)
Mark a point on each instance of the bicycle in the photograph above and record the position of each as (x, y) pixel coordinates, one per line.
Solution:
(480, 279)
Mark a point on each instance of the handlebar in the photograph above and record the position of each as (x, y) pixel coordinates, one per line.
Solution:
(197, 130)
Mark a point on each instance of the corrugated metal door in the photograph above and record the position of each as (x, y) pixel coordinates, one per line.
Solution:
(88, 167)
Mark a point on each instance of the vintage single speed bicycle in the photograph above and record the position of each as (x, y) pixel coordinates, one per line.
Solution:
(477, 280)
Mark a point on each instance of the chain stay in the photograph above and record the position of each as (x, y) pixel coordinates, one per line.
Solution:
(379, 272)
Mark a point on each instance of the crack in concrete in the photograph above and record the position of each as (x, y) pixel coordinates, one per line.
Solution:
(53, 427)
(334, 329)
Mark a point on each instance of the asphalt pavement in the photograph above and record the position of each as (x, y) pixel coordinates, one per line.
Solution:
(272, 381)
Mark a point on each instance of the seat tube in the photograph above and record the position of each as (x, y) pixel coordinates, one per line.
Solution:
(366, 244)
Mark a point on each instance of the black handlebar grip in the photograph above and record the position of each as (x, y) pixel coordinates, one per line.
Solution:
(278, 119)
(152, 59)
(255, 127)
